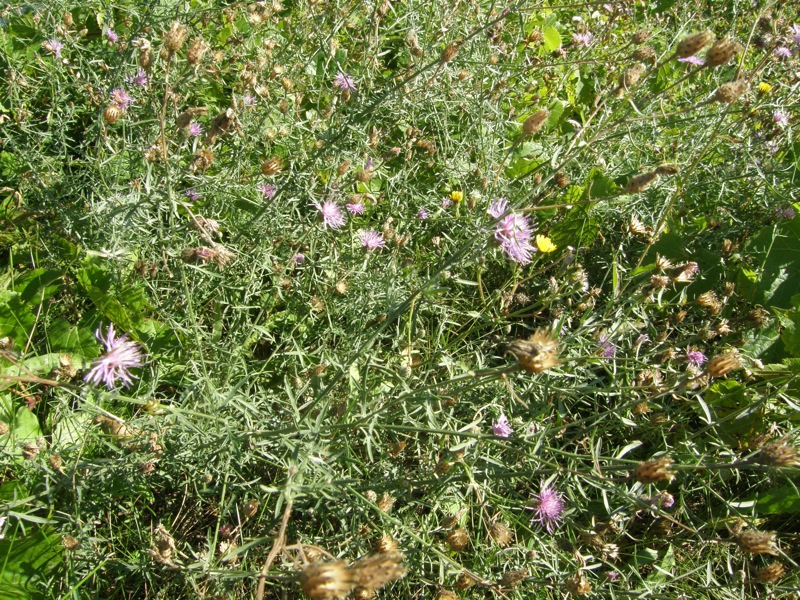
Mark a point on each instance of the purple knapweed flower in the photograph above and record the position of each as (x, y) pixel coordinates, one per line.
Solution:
(661, 500)
(195, 129)
(343, 81)
(780, 118)
(612, 575)
(582, 39)
(605, 348)
(141, 78)
(332, 215)
(497, 208)
(693, 60)
(502, 428)
(53, 46)
(785, 213)
(795, 34)
(249, 100)
(371, 239)
(121, 98)
(357, 208)
(120, 356)
(111, 35)
(422, 214)
(268, 191)
(446, 201)
(696, 358)
(191, 195)
(513, 233)
(783, 52)
(548, 507)
(298, 259)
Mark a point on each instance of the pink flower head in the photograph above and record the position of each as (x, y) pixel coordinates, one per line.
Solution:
(111, 35)
(332, 215)
(795, 34)
(606, 348)
(121, 98)
(502, 428)
(141, 78)
(696, 358)
(780, 118)
(693, 60)
(249, 100)
(195, 129)
(371, 239)
(298, 259)
(548, 507)
(513, 233)
(343, 81)
(357, 208)
(582, 39)
(498, 208)
(422, 214)
(268, 191)
(446, 201)
(191, 195)
(120, 356)
(53, 46)
(783, 52)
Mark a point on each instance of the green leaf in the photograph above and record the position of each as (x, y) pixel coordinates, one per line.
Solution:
(552, 39)
(782, 500)
(27, 560)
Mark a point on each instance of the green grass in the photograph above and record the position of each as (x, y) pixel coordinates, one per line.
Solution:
(290, 411)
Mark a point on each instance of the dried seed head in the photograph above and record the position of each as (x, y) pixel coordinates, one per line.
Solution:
(501, 534)
(202, 160)
(163, 548)
(689, 46)
(327, 581)
(728, 93)
(376, 570)
(578, 585)
(721, 365)
(175, 37)
(641, 36)
(272, 166)
(362, 593)
(629, 78)
(645, 54)
(451, 51)
(722, 51)
(535, 37)
(112, 113)
(251, 508)
(386, 545)
(758, 317)
(386, 503)
(197, 48)
(757, 542)
(397, 448)
(145, 53)
(685, 273)
(654, 470)
(512, 579)
(446, 595)
(458, 539)
(641, 182)
(343, 167)
(777, 454)
(341, 288)
(710, 301)
(561, 179)
(536, 354)
(464, 581)
(666, 170)
(771, 573)
(55, 460)
(535, 122)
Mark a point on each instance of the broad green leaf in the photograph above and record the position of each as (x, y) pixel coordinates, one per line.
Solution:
(782, 500)
(552, 39)
(27, 561)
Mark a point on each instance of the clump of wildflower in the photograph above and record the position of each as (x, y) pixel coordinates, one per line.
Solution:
(53, 46)
(371, 239)
(356, 208)
(332, 215)
(544, 244)
(548, 508)
(584, 39)
(121, 355)
(268, 191)
(513, 233)
(501, 427)
(651, 471)
(344, 82)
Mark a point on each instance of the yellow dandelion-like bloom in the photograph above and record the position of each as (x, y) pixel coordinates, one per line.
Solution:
(545, 244)
(456, 196)
(764, 87)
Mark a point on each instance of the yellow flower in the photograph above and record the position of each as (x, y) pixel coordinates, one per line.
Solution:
(545, 244)
(764, 88)
(456, 196)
